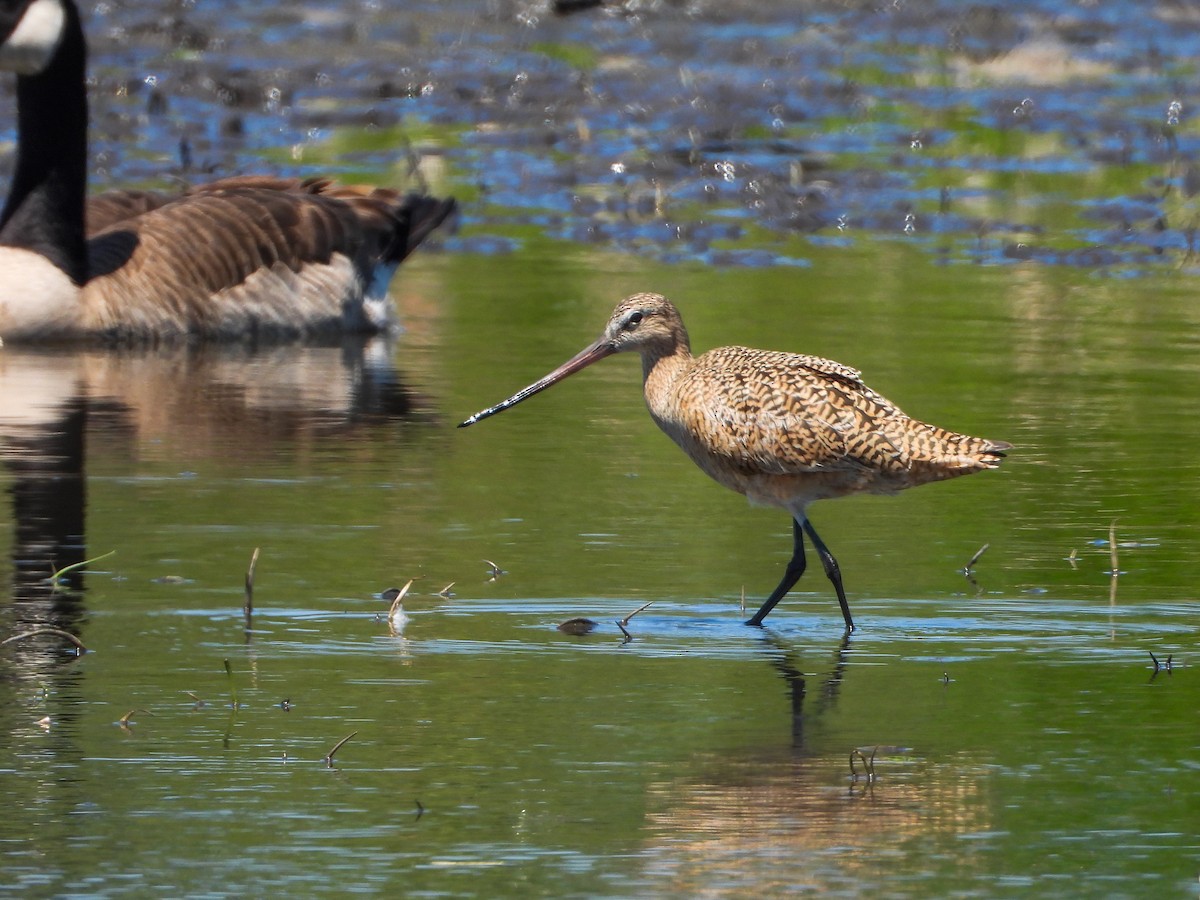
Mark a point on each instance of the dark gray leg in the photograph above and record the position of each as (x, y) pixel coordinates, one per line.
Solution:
(832, 571)
(795, 568)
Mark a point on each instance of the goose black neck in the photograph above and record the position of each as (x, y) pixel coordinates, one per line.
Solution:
(45, 208)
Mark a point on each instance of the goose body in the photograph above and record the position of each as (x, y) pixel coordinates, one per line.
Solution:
(783, 429)
(238, 257)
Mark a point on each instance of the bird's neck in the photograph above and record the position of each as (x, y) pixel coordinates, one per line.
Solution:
(45, 208)
(661, 368)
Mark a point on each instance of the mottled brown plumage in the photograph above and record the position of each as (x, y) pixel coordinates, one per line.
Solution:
(781, 428)
(247, 255)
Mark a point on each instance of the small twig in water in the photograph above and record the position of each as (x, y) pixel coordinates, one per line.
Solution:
(1161, 666)
(420, 809)
(232, 686)
(46, 629)
(396, 618)
(55, 577)
(974, 559)
(625, 621)
(399, 599)
(867, 761)
(124, 720)
(494, 571)
(1073, 559)
(336, 747)
(249, 607)
(446, 592)
(1112, 548)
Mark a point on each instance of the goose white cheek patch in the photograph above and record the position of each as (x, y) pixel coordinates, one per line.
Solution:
(34, 41)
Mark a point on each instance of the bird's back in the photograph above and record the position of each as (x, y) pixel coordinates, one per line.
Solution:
(785, 428)
(246, 255)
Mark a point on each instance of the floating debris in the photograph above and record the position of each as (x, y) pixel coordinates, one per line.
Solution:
(577, 626)
(46, 629)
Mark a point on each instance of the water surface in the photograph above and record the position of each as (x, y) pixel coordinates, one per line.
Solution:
(1022, 743)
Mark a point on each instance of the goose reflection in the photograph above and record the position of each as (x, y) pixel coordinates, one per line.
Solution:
(223, 402)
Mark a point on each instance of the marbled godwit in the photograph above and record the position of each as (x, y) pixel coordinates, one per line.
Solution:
(235, 258)
(780, 428)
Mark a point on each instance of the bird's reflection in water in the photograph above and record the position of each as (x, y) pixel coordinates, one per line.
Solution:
(48, 501)
(767, 819)
(785, 663)
(221, 401)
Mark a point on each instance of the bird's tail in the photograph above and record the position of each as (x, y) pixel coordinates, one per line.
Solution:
(421, 215)
(929, 453)
(961, 454)
(413, 216)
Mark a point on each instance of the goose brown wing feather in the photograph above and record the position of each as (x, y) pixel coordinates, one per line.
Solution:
(108, 209)
(316, 184)
(209, 247)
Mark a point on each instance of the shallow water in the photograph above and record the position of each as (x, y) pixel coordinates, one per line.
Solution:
(1022, 743)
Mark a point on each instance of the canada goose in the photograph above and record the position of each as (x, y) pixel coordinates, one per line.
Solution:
(237, 257)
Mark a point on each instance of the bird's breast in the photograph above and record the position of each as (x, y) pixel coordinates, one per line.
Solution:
(37, 299)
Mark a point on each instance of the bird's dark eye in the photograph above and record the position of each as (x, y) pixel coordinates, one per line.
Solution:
(633, 320)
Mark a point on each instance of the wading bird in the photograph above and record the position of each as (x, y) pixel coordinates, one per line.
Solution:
(780, 428)
(236, 258)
